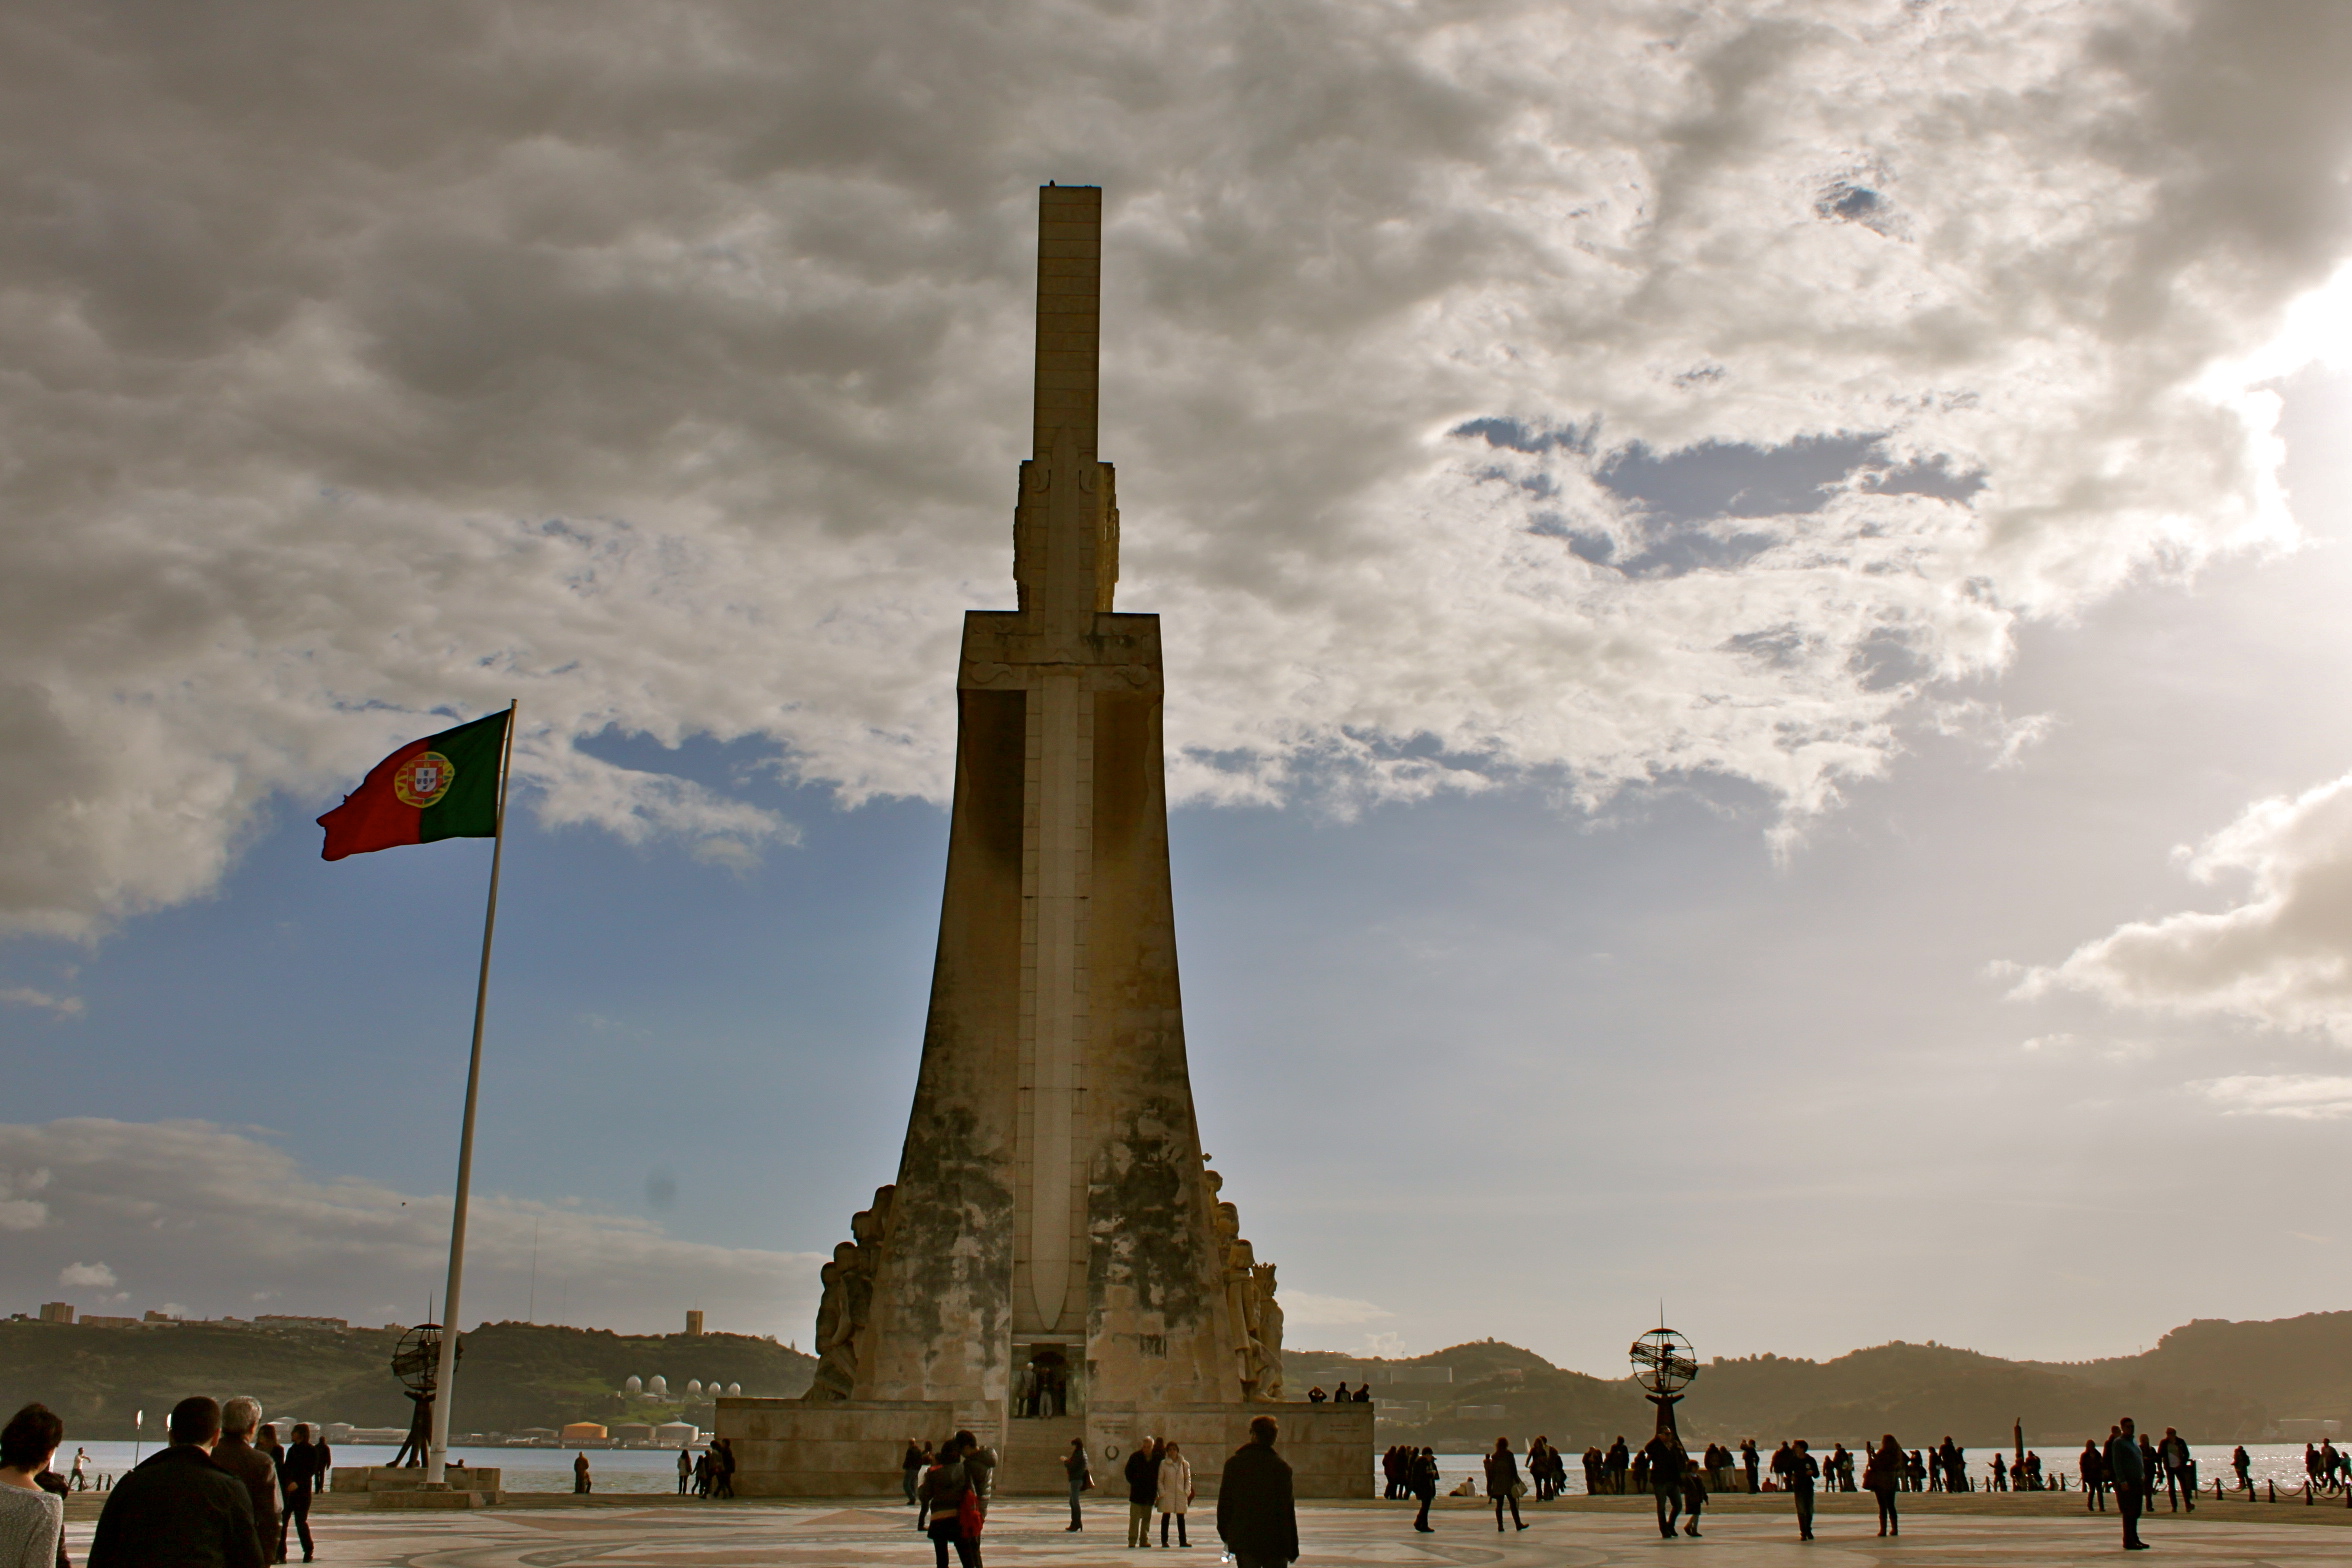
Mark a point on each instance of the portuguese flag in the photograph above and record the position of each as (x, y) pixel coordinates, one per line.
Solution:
(444, 786)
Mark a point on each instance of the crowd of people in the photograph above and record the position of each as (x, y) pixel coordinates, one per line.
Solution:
(2127, 1467)
(708, 1474)
(223, 1491)
(949, 1488)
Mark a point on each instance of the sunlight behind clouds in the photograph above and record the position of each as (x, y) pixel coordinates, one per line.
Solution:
(667, 368)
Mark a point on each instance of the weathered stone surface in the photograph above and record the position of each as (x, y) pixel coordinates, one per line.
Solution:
(1052, 1209)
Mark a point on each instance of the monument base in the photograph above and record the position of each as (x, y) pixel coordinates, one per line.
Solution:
(784, 1448)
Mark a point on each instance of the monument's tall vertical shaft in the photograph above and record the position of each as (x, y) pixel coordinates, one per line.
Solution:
(1054, 1251)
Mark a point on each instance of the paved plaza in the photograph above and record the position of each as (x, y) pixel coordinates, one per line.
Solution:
(1029, 1532)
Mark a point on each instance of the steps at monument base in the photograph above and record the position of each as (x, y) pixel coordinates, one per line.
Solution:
(1032, 1457)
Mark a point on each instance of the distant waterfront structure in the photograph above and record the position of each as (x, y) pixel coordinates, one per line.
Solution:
(694, 1322)
(57, 1312)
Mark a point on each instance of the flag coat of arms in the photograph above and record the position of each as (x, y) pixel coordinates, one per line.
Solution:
(444, 786)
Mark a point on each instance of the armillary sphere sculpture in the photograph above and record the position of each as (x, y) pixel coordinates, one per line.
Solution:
(416, 1361)
(1663, 1364)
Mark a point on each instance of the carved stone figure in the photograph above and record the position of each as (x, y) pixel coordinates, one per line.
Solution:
(1269, 1334)
(848, 1302)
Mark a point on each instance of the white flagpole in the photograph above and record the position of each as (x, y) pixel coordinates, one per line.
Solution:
(445, 1379)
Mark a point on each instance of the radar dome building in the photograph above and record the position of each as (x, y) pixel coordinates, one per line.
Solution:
(659, 1387)
(694, 1388)
(634, 1385)
(734, 1390)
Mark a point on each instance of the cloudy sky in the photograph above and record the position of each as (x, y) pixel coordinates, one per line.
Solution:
(1754, 612)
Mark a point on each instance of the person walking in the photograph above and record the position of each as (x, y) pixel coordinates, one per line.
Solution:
(947, 1495)
(2243, 1463)
(1143, 1489)
(1666, 1460)
(2128, 1472)
(2093, 1467)
(1503, 1484)
(910, 1465)
(1882, 1477)
(2180, 1470)
(299, 1476)
(1694, 1499)
(1421, 1480)
(1803, 1471)
(1752, 1460)
(32, 1518)
(1175, 1493)
(1081, 1478)
(581, 1485)
(1257, 1513)
(236, 1454)
(179, 1507)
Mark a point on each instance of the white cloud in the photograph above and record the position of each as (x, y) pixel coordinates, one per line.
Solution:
(2297, 1096)
(29, 996)
(219, 1219)
(18, 1209)
(1304, 1309)
(2281, 956)
(367, 369)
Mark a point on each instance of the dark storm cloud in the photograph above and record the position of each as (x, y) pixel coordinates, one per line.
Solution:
(666, 366)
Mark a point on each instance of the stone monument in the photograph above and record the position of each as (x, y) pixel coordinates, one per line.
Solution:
(1054, 1260)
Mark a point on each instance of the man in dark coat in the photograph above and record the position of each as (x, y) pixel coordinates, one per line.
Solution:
(180, 1508)
(236, 1453)
(2129, 1473)
(1667, 1459)
(1256, 1513)
(1143, 1490)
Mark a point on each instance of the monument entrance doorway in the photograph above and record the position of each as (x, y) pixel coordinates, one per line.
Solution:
(1049, 1383)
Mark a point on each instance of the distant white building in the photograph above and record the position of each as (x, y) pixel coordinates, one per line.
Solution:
(734, 1390)
(694, 1388)
(659, 1387)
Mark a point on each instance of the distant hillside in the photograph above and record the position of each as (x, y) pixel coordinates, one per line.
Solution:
(514, 1375)
(2298, 1366)
(1920, 1392)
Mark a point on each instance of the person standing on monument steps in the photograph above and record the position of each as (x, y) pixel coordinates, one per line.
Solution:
(1143, 1490)
(1257, 1514)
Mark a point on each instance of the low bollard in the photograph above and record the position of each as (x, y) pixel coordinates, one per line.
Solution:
(2273, 1485)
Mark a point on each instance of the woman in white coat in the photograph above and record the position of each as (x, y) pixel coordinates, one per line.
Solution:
(1175, 1493)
